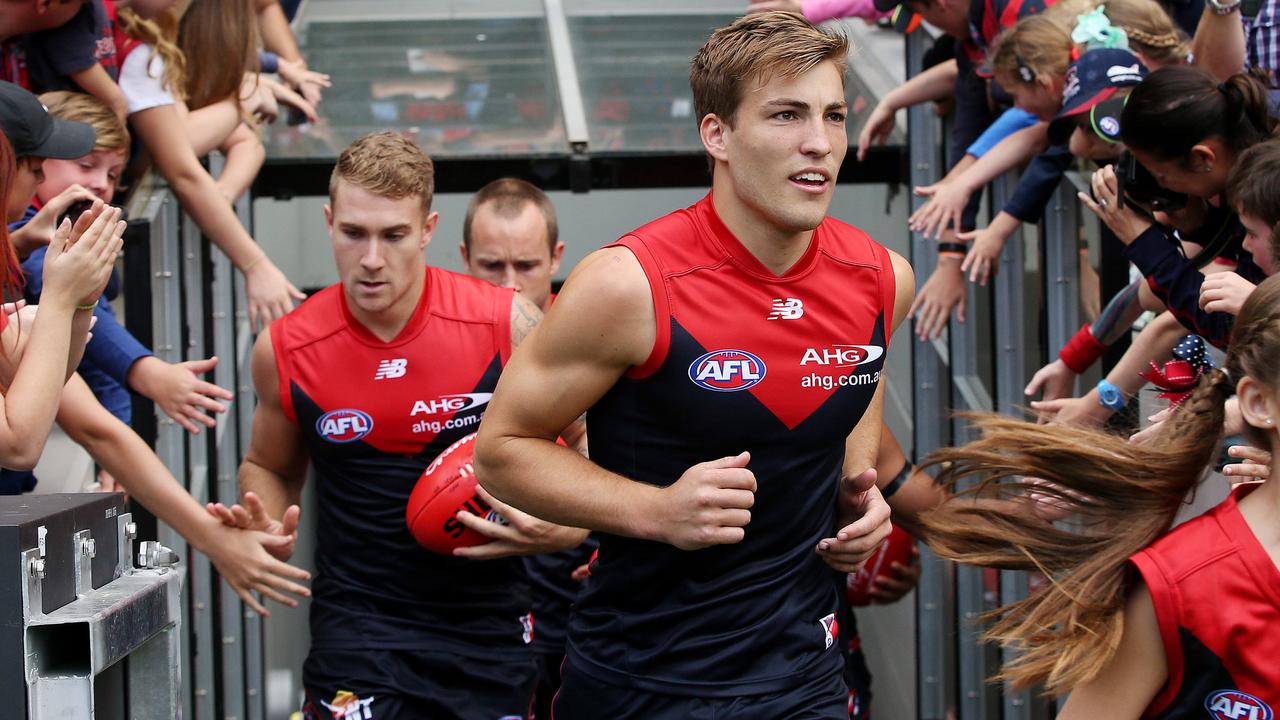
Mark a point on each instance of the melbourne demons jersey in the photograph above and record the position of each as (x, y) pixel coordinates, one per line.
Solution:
(1216, 593)
(782, 366)
(374, 414)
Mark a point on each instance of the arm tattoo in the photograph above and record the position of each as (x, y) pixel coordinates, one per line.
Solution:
(525, 316)
(1109, 326)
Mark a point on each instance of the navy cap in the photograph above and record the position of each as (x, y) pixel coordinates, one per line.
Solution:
(1096, 76)
(34, 132)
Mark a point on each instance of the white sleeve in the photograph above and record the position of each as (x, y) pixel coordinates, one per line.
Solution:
(143, 87)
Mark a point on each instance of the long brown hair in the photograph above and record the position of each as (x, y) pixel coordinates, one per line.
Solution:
(1178, 107)
(10, 271)
(226, 31)
(1122, 497)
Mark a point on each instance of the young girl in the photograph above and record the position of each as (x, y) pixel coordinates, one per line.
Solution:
(1137, 621)
(152, 69)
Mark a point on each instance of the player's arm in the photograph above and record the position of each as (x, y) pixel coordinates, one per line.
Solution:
(522, 533)
(602, 324)
(274, 469)
(861, 513)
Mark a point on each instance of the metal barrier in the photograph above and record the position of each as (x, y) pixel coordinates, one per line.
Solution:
(183, 298)
(1034, 295)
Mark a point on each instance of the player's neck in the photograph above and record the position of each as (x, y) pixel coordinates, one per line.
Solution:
(388, 323)
(777, 249)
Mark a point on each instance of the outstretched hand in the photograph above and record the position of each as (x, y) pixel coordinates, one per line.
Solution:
(252, 515)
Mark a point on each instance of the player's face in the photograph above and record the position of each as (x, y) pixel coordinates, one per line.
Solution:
(98, 172)
(785, 148)
(378, 244)
(512, 252)
(1257, 241)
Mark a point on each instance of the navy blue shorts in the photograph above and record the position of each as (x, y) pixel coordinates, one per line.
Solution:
(415, 685)
(583, 697)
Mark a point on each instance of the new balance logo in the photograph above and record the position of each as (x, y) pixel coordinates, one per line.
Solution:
(389, 369)
(787, 309)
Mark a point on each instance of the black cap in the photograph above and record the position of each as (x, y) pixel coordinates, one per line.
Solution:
(887, 5)
(34, 132)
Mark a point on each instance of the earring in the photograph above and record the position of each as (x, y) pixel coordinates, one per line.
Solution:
(1269, 421)
(1207, 168)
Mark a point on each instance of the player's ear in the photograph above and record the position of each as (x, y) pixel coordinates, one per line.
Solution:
(466, 256)
(429, 228)
(713, 129)
(328, 217)
(556, 253)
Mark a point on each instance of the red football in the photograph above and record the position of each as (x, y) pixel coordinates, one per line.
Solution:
(895, 549)
(447, 486)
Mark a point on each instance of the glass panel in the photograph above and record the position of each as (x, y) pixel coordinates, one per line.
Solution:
(634, 72)
(462, 87)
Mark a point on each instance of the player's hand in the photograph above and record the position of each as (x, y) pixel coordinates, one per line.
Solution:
(523, 534)
(1125, 222)
(252, 515)
(903, 579)
(244, 558)
(947, 200)
(865, 516)
(944, 290)
(1224, 292)
(877, 128)
(1079, 412)
(179, 391)
(1255, 463)
(1056, 380)
(271, 295)
(709, 505)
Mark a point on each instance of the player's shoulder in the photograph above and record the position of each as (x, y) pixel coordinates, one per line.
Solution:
(609, 278)
(462, 297)
(319, 316)
(851, 243)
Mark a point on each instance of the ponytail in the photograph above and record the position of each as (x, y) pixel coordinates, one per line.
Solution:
(1178, 107)
(161, 34)
(1123, 497)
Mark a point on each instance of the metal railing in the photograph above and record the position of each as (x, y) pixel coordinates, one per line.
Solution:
(979, 366)
(183, 298)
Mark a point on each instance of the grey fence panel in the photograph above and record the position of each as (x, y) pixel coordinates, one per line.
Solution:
(934, 598)
(202, 579)
(1062, 266)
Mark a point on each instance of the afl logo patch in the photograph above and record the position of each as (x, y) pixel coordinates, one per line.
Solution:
(344, 426)
(727, 370)
(1236, 705)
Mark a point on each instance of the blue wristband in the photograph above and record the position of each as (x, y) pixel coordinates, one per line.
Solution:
(1110, 397)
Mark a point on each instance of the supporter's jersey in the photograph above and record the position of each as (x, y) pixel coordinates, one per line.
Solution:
(1216, 593)
(782, 366)
(989, 18)
(374, 414)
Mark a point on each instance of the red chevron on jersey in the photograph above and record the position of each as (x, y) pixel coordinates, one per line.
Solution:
(395, 396)
(1216, 593)
(795, 339)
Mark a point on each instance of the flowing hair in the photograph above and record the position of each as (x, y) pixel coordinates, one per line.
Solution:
(1121, 496)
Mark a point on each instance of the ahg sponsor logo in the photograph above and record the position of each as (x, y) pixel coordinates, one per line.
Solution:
(842, 355)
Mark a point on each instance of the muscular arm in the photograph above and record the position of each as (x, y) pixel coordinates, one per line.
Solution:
(275, 467)
(525, 316)
(602, 324)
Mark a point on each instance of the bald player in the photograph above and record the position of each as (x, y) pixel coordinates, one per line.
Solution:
(510, 238)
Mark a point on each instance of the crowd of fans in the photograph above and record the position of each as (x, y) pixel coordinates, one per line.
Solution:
(1169, 105)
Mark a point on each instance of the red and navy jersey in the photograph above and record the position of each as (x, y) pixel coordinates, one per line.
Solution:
(989, 18)
(782, 366)
(1216, 593)
(373, 415)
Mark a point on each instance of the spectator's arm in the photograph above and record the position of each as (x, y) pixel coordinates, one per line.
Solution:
(277, 36)
(270, 294)
(208, 127)
(95, 81)
(817, 11)
(1009, 122)
(1219, 43)
(1038, 183)
(245, 154)
(1176, 281)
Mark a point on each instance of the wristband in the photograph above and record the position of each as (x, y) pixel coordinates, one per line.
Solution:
(88, 306)
(255, 261)
(1082, 351)
(1110, 397)
(953, 247)
(898, 481)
